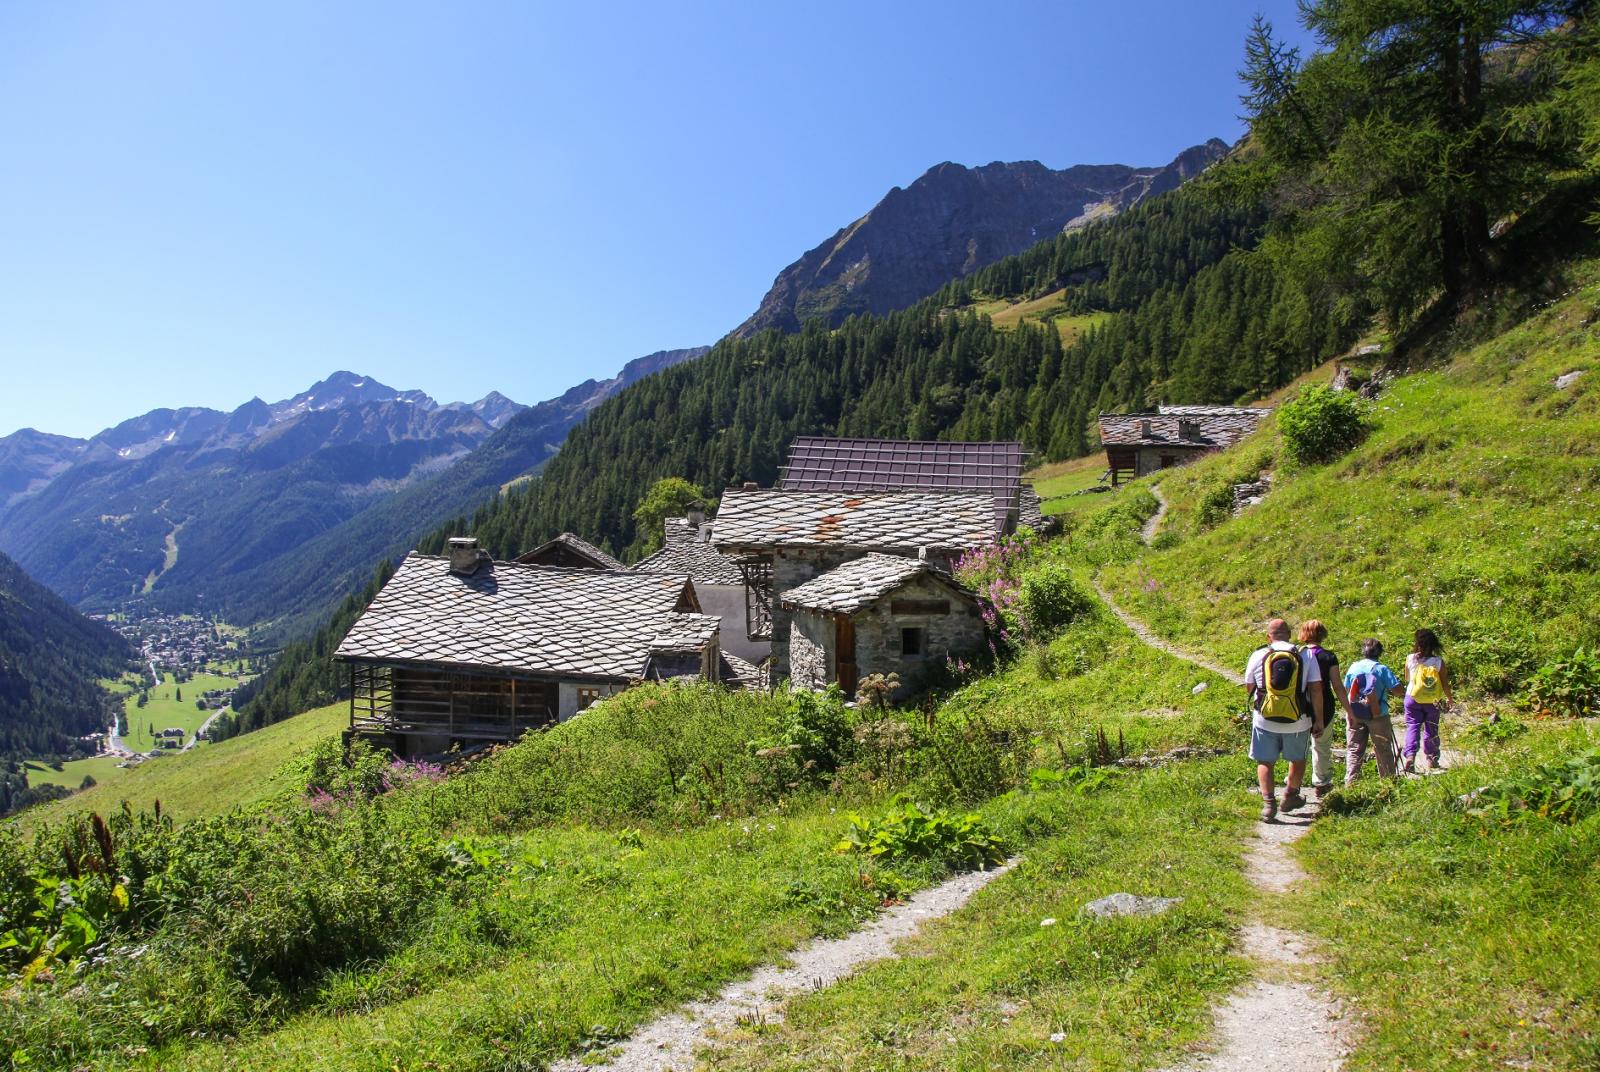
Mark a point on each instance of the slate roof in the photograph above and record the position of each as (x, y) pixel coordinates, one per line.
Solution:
(819, 463)
(861, 582)
(1213, 426)
(685, 632)
(577, 546)
(737, 673)
(943, 521)
(516, 618)
(687, 551)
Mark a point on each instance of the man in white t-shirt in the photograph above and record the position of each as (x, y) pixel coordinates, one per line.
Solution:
(1272, 740)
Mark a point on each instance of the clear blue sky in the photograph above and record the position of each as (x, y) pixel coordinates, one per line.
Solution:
(201, 202)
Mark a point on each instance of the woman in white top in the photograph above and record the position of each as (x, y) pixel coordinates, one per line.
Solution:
(1427, 683)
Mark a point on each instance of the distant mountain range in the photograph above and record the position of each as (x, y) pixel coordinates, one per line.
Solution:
(200, 510)
(948, 224)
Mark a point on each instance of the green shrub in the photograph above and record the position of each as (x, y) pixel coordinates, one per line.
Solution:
(1497, 730)
(1052, 599)
(1569, 686)
(806, 740)
(909, 830)
(1565, 792)
(1319, 424)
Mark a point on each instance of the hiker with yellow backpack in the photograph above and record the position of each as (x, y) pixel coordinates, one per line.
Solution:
(1427, 685)
(1285, 710)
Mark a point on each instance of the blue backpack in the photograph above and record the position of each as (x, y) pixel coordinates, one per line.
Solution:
(1362, 686)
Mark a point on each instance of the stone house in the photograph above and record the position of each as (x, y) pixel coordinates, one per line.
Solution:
(462, 649)
(782, 539)
(1138, 444)
(878, 614)
(687, 551)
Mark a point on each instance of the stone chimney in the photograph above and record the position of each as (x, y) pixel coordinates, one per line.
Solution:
(751, 485)
(695, 514)
(465, 557)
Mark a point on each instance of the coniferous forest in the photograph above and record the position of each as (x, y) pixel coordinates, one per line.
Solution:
(1194, 316)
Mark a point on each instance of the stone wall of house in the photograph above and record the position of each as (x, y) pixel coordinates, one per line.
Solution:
(794, 566)
(810, 638)
(879, 640)
(1150, 458)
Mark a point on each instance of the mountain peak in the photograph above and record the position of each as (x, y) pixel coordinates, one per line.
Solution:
(950, 222)
(345, 388)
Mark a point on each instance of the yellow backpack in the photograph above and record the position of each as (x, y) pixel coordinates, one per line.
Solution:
(1425, 685)
(1282, 694)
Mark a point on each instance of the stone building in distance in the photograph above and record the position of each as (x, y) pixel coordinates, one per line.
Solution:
(1138, 444)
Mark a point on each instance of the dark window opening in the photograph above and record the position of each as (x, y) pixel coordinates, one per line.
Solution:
(1168, 461)
(913, 641)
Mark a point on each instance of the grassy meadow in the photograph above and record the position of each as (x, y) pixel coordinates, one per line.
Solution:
(206, 781)
(297, 908)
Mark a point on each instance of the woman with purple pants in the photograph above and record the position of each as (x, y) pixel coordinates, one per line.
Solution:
(1427, 683)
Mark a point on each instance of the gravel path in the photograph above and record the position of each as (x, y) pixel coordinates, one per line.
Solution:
(669, 1042)
(1280, 1019)
(1146, 634)
(1147, 531)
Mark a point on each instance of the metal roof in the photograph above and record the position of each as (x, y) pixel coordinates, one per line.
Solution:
(942, 521)
(1192, 427)
(819, 463)
(863, 581)
(547, 620)
(688, 551)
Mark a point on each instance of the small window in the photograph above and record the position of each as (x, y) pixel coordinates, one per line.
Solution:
(913, 641)
(1168, 461)
(587, 695)
(1188, 429)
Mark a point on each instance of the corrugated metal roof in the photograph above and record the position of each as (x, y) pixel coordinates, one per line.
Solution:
(819, 463)
(942, 521)
(862, 581)
(517, 618)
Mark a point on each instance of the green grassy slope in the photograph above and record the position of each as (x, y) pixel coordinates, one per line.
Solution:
(1463, 941)
(211, 779)
(1470, 509)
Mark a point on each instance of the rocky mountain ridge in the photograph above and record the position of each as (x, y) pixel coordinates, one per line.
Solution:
(195, 509)
(950, 222)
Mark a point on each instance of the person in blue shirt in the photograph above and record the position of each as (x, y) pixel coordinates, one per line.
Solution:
(1368, 685)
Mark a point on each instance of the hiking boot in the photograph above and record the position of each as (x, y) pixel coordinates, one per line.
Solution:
(1269, 809)
(1410, 767)
(1322, 791)
(1292, 800)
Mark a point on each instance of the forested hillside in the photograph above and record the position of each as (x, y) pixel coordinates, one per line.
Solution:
(50, 658)
(1192, 318)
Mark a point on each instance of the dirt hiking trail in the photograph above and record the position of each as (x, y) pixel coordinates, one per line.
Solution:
(668, 1043)
(1280, 1019)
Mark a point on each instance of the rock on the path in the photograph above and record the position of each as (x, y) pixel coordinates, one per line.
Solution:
(1129, 904)
(1567, 379)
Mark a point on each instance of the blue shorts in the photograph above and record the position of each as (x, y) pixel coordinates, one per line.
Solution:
(1269, 747)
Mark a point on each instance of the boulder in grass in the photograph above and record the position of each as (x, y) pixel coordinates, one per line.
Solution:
(1129, 904)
